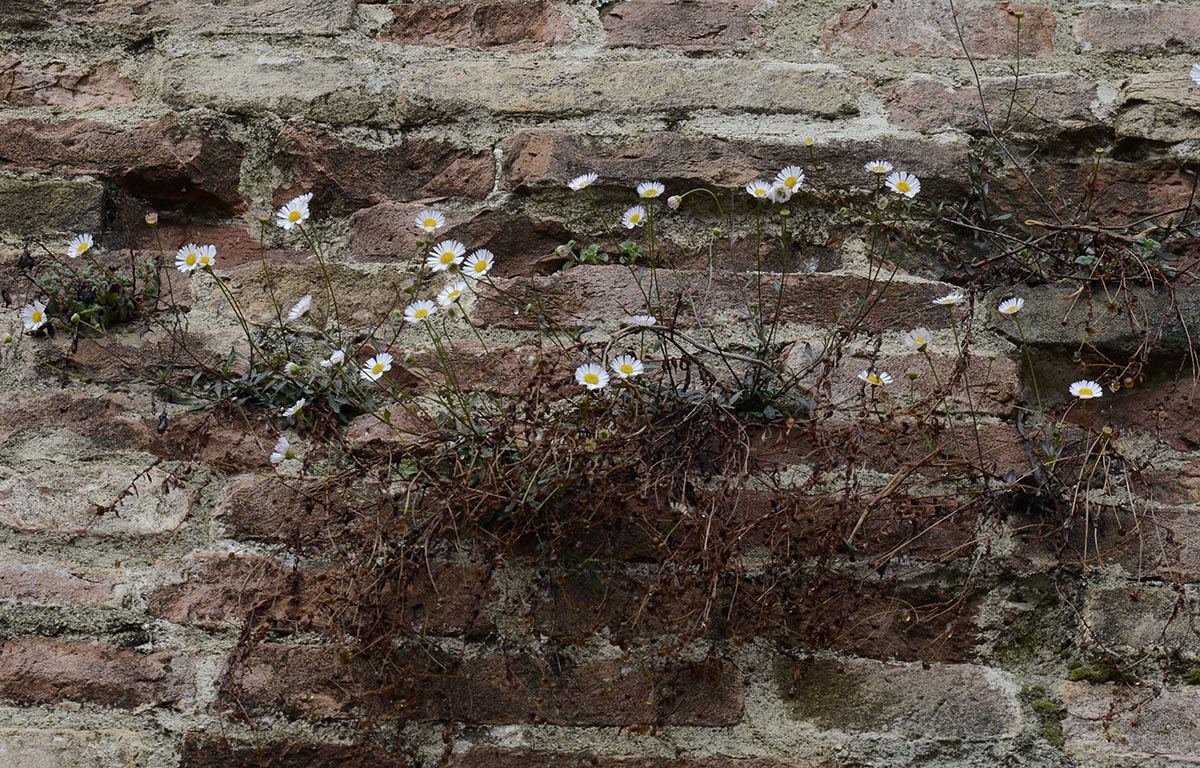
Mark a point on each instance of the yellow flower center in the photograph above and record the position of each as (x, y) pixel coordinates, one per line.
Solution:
(81, 248)
(1086, 392)
(377, 369)
(447, 257)
(591, 378)
(453, 295)
(627, 369)
(481, 266)
(873, 379)
(919, 341)
(902, 186)
(294, 216)
(190, 259)
(790, 181)
(420, 313)
(635, 218)
(760, 192)
(36, 316)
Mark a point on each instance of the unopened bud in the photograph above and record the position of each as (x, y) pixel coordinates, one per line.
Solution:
(152, 219)
(673, 202)
(75, 318)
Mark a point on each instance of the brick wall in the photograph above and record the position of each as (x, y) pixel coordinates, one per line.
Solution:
(151, 611)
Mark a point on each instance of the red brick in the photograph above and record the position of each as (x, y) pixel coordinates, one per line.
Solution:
(202, 750)
(926, 28)
(105, 421)
(1140, 28)
(58, 585)
(508, 25)
(588, 295)
(233, 441)
(272, 508)
(167, 162)
(704, 26)
(1059, 103)
(134, 16)
(310, 682)
(35, 670)
(494, 757)
(542, 158)
(345, 176)
(62, 85)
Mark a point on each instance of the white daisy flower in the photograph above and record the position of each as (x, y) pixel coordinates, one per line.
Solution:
(1196, 74)
(875, 379)
(283, 450)
(446, 254)
(419, 310)
(80, 245)
(335, 359)
(1086, 389)
(950, 299)
(430, 220)
(479, 263)
(592, 376)
(791, 177)
(903, 183)
(33, 316)
(207, 255)
(917, 339)
(648, 189)
(300, 307)
(582, 182)
(808, 141)
(294, 212)
(187, 258)
(627, 366)
(878, 166)
(1011, 306)
(634, 217)
(781, 193)
(296, 406)
(643, 321)
(451, 293)
(374, 368)
(759, 189)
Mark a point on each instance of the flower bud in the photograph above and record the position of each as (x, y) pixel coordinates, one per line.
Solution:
(152, 218)
(673, 202)
(75, 318)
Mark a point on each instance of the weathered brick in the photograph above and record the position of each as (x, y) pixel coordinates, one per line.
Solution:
(1143, 619)
(541, 158)
(35, 670)
(39, 206)
(588, 295)
(938, 701)
(494, 757)
(523, 245)
(1043, 104)
(106, 421)
(704, 26)
(133, 16)
(75, 748)
(1145, 725)
(510, 25)
(58, 585)
(310, 682)
(347, 176)
(68, 86)
(1159, 106)
(271, 508)
(167, 162)
(926, 28)
(1150, 28)
(202, 750)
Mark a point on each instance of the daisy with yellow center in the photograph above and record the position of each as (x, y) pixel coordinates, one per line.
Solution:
(582, 182)
(917, 339)
(419, 310)
(80, 245)
(634, 217)
(294, 212)
(875, 379)
(791, 177)
(759, 190)
(479, 263)
(445, 255)
(451, 293)
(878, 166)
(592, 376)
(1086, 389)
(808, 141)
(649, 189)
(781, 193)
(627, 366)
(187, 258)
(950, 299)
(374, 368)
(1011, 306)
(903, 183)
(430, 220)
(33, 316)
(207, 255)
